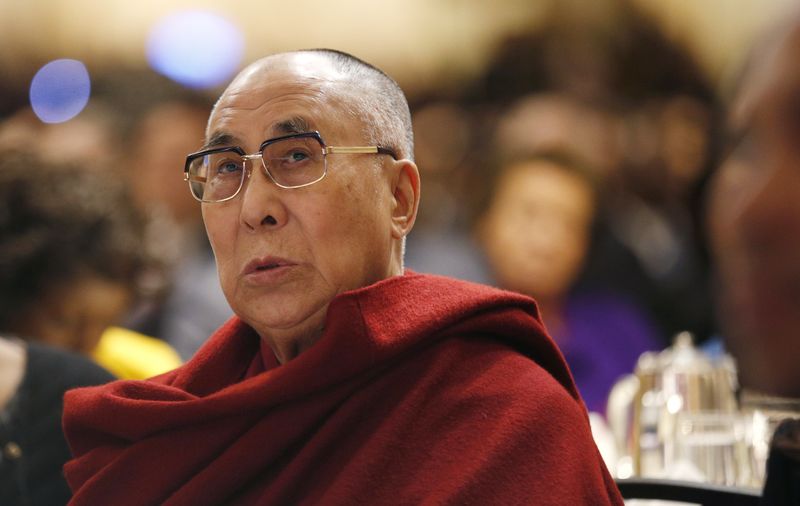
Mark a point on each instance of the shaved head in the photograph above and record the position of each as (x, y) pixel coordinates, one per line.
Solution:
(366, 93)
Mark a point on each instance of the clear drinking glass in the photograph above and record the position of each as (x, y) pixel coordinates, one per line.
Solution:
(714, 447)
(765, 413)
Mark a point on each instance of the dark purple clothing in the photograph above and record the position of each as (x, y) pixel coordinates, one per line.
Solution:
(604, 334)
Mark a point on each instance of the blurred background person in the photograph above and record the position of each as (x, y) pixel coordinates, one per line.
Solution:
(753, 215)
(609, 85)
(633, 103)
(162, 123)
(140, 126)
(70, 261)
(536, 234)
(754, 222)
(190, 305)
(33, 379)
(92, 135)
(446, 132)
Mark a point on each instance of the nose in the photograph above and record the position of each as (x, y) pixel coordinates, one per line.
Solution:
(262, 205)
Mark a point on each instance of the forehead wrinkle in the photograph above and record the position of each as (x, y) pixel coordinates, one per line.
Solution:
(303, 113)
(248, 93)
(307, 93)
(289, 126)
(307, 76)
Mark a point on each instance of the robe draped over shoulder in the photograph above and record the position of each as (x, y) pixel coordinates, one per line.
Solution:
(421, 390)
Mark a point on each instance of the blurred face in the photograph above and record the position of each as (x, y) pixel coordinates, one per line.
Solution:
(167, 133)
(754, 220)
(684, 125)
(75, 315)
(537, 229)
(553, 121)
(283, 254)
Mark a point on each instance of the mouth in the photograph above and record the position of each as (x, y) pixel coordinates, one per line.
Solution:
(266, 264)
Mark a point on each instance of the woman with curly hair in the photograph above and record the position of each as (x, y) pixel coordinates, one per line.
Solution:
(71, 257)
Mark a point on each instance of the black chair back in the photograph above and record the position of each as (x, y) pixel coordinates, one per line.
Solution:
(687, 491)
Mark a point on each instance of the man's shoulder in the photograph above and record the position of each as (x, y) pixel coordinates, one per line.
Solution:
(431, 288)
(480, 405)
(467, 333)
(489, 373)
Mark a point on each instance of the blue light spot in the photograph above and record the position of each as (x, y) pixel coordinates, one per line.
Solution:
(199, 49)
(60, 90)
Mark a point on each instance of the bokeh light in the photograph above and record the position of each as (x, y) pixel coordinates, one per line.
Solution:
(196, 48)
(60, 90)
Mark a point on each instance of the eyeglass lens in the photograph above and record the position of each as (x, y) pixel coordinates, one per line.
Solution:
(291, 162)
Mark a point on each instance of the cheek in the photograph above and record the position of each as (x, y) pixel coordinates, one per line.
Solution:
(497, 241)
(504, 229)
(220, 225)
(347, 228)
(221, 229)
(568, 255)
(352, 208)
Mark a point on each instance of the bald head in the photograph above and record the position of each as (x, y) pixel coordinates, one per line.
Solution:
(362, 91)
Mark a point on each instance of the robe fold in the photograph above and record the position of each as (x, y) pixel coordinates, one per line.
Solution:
(421, 390)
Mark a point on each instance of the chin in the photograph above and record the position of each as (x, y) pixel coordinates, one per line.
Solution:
(279, 319)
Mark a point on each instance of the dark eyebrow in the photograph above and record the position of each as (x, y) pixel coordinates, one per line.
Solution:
(219, 139)
(294, 125)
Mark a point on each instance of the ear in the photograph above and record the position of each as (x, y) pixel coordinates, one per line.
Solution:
(405, 193)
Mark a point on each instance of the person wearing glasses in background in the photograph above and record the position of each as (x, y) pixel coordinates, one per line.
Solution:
(342, 379)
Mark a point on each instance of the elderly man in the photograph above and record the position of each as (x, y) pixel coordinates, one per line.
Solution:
(341, 379)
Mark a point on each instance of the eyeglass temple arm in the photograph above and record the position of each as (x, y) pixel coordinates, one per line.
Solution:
(359, 149)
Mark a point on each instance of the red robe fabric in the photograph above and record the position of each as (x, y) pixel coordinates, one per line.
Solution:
(421, 390)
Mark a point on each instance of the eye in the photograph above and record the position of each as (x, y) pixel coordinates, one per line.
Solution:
(227, 166)
(294, 154)
(297, 155)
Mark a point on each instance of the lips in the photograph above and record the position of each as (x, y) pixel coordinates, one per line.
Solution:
(266, 264)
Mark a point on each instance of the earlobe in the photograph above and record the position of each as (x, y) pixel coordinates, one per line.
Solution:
(406, 193)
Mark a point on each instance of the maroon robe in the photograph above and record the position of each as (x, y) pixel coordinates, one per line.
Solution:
(421, 390)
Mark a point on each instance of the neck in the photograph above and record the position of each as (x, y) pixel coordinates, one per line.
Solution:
(289, 349)
(552, 311)
(287, 344)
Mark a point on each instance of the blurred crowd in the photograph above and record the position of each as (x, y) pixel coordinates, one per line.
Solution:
(575, 169)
